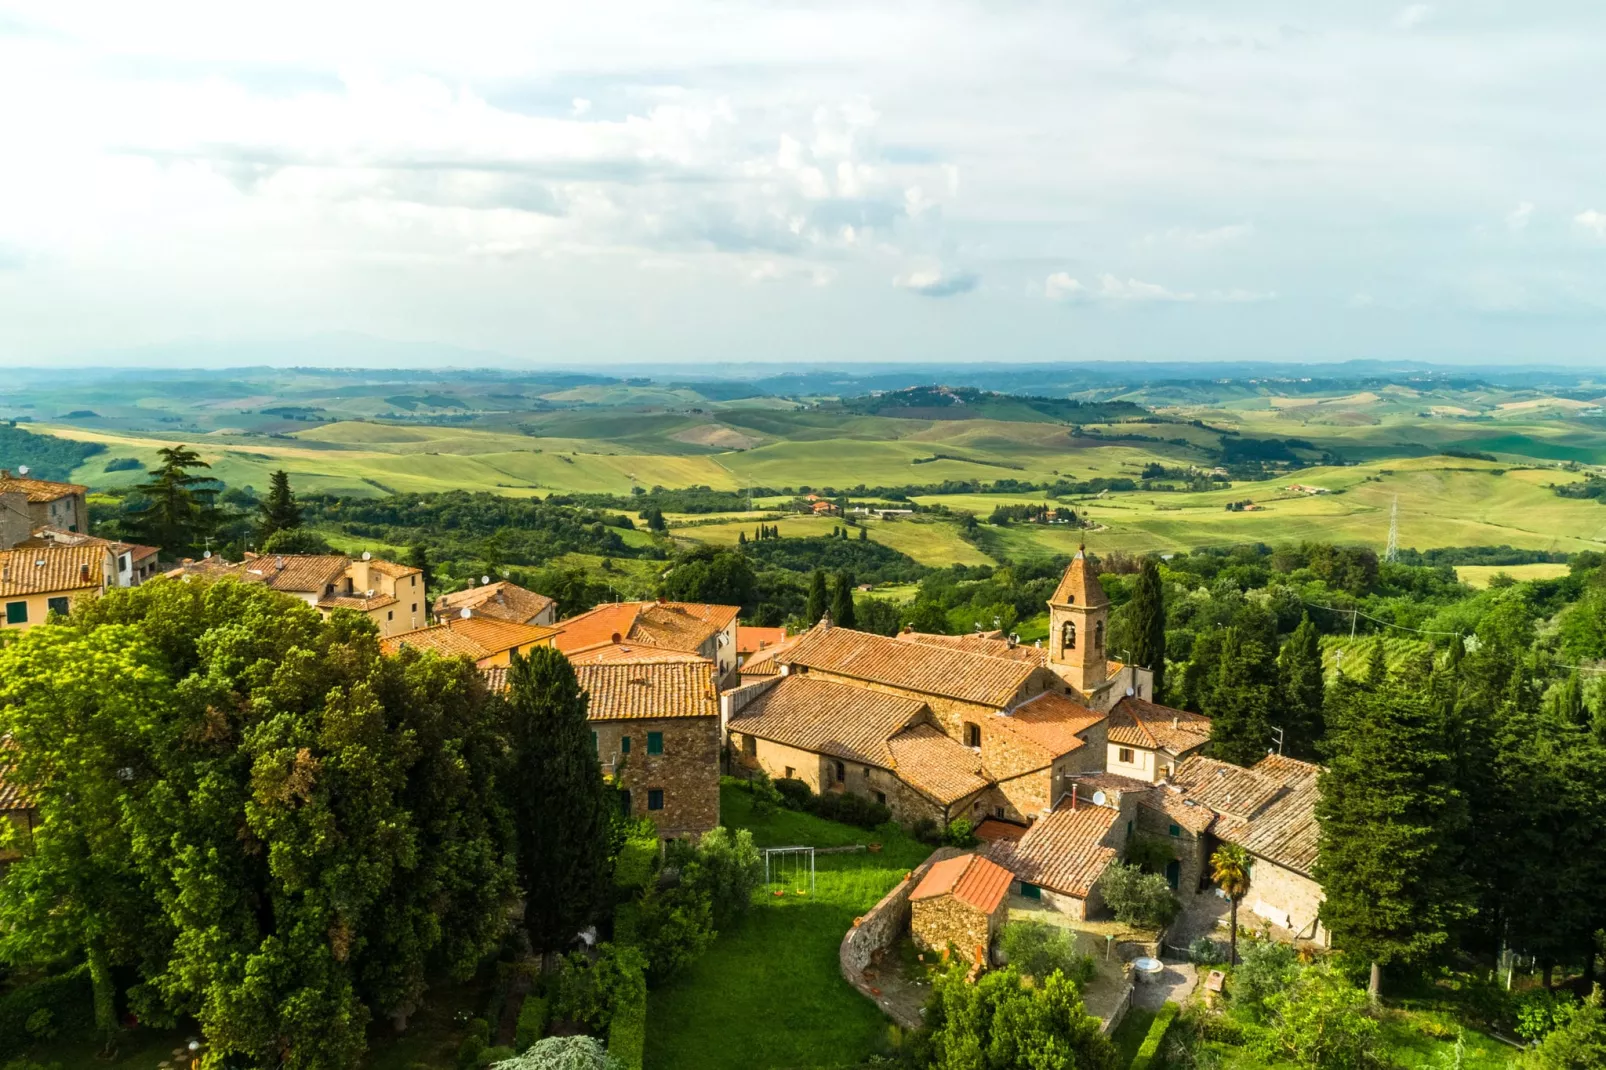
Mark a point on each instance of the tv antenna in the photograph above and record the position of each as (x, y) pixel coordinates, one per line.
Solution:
(1391, 553)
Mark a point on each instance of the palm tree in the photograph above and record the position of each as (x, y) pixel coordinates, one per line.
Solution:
(1229, 868)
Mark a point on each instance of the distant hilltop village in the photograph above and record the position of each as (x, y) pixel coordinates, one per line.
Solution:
(1057, 754)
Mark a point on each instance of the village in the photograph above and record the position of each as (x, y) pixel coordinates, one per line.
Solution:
(1053, 755)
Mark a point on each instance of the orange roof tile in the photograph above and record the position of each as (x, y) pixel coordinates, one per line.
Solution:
(750, 640)
(1080, 585)
(49, 569)
(914, 667)
(980, 644)
(933, 763)
(650, 690)
(298, 573)
(610, 653)
(991, 830)
(1051, 722)
(1224, 787)
(505, 601)
(437, 637)
(1141, 723)
(608, 623)
(681, 625)
(356, 601)
(393, 569)
(496, 636)
(767, 662)
(1065, 852)
(38, 490)
(829, 718)
(970, 878)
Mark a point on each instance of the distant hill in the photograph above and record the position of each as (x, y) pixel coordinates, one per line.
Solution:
(969, 403)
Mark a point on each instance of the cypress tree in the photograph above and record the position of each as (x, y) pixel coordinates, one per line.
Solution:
(1148, 624)
(842, 602)
(1240, 700)
(562, 809)
(418, 557)
(1377, 664)
(1299, 671)
(1392, 822)
(817, 603)
(279, 511)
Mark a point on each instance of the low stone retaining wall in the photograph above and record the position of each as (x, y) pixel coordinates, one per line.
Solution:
(880, 928)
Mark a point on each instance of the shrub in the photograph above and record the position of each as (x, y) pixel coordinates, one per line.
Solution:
(1325, 1023)
(627, 1034)
(562, 1053)
(66, 996)
(851, 809)
(765, 795)
(497, 1054)
(1037, 949)
(960, 833)
(590, 991)
(1149, 853)
(41, 1024)
(532, 1022)
(927, 831)
(1138, 898)
(1206, 952)
(674, 928)
(637, 861)
(1266, 970)
(1539, 1010)
(727, 868)
(795, 794)
(1150, 1048)
(1578, 1042)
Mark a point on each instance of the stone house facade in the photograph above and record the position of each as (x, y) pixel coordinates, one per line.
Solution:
(38, 581)
(960, 904)
(709, 631)
(48, 504)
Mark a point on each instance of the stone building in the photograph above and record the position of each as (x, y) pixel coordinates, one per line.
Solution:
(47, 504)
(490, 642)
(960, 905)
(499, 601)
(708, 631)
(1268, 810)
(390, 595)
(1148, 742)
(134, 563)
(1060, 859)
(40, 580)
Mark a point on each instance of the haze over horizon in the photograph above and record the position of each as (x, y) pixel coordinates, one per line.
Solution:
(804, 183)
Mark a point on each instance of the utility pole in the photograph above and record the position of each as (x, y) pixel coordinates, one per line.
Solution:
(1391, 553)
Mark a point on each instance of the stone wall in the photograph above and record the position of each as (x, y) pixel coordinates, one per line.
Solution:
(1187, 847)
(687, 772)
(940, 922)
(1287, 900)
(15, 522)
(881, 926)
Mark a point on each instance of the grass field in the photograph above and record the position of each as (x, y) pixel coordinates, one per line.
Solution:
(930, 542)
(769, 994)
(1478, 576)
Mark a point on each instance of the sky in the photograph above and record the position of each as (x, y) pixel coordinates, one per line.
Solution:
(633, 181)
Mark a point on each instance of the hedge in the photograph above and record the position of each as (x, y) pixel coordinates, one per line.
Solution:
(1152, 1040)
(68, 998)
(532, 1022)
(627, 1033)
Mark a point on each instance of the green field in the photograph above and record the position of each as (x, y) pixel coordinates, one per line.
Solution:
(1478, 576)
(930, 542)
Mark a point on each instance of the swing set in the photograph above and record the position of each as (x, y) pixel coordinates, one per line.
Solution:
(789, 868)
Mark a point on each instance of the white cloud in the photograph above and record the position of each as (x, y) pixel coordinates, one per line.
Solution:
(1517, 219)
(1201, 239)
(1593, 221)
(1062, 286)
(580, 106)
(937, 282)
(1413, 15)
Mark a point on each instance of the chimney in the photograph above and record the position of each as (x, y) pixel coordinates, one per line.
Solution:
(1073, 797)
(1173, 724)
(83, 571)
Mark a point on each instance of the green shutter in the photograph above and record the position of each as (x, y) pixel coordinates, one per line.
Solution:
(624, 744)
(16, 613)
(58, 605)
(655, 742)
(1030, 891)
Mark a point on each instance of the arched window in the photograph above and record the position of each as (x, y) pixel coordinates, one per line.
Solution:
(1068, 636)
(1098, 637)
(972, 734)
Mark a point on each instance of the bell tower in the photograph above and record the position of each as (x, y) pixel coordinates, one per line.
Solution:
(1078, 615)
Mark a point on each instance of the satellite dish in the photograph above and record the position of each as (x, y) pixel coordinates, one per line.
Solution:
(485, 580)
(1129, 692)
(206, 555)
(22, 469)
(366, 555)
(465, 613)
(1098, 798)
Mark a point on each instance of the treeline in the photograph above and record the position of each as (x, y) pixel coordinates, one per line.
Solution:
(46, 456)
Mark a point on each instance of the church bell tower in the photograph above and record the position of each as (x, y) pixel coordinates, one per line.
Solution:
(1078, 615)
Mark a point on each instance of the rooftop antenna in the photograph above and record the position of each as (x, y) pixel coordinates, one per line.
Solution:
(1392, 553)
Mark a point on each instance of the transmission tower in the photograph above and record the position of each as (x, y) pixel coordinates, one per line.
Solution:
(1392, 552)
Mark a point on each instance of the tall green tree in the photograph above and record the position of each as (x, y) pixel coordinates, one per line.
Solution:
(1392, 824)
(1241, 700)
(1147, 610)
(1229, 868)
(418, 557)
(561, 807)
(819, 600)
(279, 511)
(180, 502)
(843, 614)
(1000, 1022)
(1299, 672)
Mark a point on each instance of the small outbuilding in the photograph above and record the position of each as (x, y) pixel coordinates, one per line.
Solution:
(960, 903)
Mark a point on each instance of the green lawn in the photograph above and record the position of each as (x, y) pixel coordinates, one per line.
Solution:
(1128, 1036)
(768, 993)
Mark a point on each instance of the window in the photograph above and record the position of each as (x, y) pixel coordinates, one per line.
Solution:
(1176, 830)
(841, 772)
(1125, 755)
(655, 742)
(881, 797)
(972, 734)
(1098, 637)
(594, 747)
(16, 613)
(624, 744)
(1030, 891)
(750, 746)
(122, 563)
(998, 812)
(59, 605)
(655, 798)
(1068, 636)
(790, 773)
(390, 614)
(415, 608)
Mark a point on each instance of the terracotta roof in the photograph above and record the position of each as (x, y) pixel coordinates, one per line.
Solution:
(1080, 585)
(439, 638)
(750, 640)
(991, 830)
(931, 762)
(1175, 804)
(613, 653)
(609, 623)
(650, 690)
(767, 662)
(498, 635)
(504, 601)
(52, 536)
(970, 878)
(356, 601)
(1224, 787)
(1064, 852)
(206, 568)
(38, 490)
(301, 573)
(1285, 830)
(681, 625)
(1050, 722)
(392, 568)
(14, 795)
(915, 667)
(48, 569)
(1113, 785)
(1141, 723)
(980, 644)
(829, 718)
